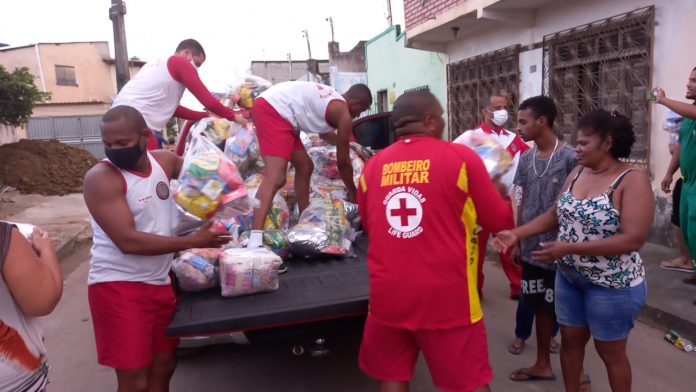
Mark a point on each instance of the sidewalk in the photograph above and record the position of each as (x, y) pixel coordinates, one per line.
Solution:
(670, 303)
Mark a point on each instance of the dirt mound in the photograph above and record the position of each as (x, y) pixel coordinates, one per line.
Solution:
(47, 167)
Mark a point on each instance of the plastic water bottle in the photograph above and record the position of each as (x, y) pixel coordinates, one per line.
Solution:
(683, 344)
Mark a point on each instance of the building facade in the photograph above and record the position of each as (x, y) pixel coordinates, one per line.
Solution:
(585, 54)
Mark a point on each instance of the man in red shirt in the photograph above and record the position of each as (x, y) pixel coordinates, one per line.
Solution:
(495, 116)
(421, 201)
(156, 90)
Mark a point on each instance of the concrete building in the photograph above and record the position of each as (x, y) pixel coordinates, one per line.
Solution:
(276, 71)
(346, 68)
(586, 54)
(81, 76)
(393, 69)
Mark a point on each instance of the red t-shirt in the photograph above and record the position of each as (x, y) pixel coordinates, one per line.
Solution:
(420, 201)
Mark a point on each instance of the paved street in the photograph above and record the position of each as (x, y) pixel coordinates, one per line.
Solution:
(657, 366)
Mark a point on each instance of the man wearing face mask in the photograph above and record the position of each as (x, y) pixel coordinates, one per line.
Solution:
(130, 293)
(495, 116)
(156, 90)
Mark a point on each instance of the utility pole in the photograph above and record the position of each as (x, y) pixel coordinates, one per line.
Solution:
(330, 20)
(389, 13)
(290, 61)
(116, 13)
(309, 48)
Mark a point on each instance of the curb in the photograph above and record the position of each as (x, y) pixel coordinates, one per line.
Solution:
(665, 321)
(66, 248)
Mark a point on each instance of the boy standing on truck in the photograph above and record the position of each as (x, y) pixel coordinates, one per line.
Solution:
(421, 201)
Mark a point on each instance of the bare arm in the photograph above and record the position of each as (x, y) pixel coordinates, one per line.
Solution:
(105, 198)
(671, 169)
(681, 108)
(32, 273)
(338, 116)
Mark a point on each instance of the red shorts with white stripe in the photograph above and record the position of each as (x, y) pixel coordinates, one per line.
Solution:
(129, 320)
(277, 137)
(457, 357)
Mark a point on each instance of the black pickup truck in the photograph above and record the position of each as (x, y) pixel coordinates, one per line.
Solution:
(315, 296)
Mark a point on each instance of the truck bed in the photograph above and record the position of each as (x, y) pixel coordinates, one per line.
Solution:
(311, 290)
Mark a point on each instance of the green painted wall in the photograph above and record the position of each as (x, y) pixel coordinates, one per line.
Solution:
(393, 67)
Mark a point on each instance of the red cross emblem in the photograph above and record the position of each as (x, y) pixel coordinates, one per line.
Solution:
(403, 212)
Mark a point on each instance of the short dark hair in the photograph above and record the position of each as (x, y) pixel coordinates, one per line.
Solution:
(360, 92)
(131, 115)
(194, 46)
(412, 107)
(603, 123)
(541, 105)
(693, 69)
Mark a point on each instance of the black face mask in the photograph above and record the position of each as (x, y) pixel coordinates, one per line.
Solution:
(124, 158)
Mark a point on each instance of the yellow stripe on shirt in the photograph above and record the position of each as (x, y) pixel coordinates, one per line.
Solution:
(469, 218)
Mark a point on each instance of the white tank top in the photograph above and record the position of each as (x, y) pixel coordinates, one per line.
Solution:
(303, 104)
(154, 93)
(150, 201)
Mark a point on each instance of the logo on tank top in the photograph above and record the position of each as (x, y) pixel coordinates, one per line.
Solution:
(162, 190)
(404, 211)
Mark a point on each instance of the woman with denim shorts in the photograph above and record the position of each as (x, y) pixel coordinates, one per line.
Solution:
(603, 218)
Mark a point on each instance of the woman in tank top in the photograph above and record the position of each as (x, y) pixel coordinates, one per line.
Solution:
(30, 286)
(603, 218)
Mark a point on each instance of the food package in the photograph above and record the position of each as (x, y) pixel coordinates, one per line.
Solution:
(326, 163)
(310, 140)
(196, 269)
(209, 183)
(248, 90)
(276, 240)
(672, 123)
(278, 215)
(323, 228)
(215, 129)
(288, 190)
(496, 158)
(246, 271)
(242, 147)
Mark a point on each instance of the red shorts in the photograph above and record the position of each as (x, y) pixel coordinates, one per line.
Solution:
(277, 137)
(457, 357)
(129, 320)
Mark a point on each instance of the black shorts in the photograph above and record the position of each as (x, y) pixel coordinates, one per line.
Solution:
(538, 288)
(676, 195)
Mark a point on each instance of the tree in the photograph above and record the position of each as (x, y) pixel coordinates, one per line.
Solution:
(18, 96)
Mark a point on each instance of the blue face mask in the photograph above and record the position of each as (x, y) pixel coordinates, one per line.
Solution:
(124, 158)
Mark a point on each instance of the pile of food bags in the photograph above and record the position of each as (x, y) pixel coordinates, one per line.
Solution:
(323, 228)
(242, 148)
(248, 271)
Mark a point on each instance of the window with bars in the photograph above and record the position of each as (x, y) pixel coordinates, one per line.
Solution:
(65, 75)
(473, 80)
(603, 65)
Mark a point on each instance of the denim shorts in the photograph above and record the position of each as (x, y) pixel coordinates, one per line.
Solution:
(608, 313)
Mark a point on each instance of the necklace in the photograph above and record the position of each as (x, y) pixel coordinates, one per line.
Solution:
(547, 165)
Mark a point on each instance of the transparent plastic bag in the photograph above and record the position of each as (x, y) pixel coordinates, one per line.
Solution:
(246, 271)
(210, 184)
(278, 215)
(496, 158)
(323, 228)
(672, 123)
(197, 269)
(242, 147)
(215, 129)
(247, 90)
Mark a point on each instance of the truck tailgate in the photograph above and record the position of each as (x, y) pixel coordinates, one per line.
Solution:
(310, 290)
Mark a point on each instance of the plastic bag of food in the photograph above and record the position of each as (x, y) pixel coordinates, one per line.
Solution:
(196, 269)
(310, 139)
(276, 240)
(672, 123)
(496, 158)
(323, 228)
(209, 183)
(242, 147)
(247, 271)
(278, 215)
(288, 190)
(248, 90)
(215, 129)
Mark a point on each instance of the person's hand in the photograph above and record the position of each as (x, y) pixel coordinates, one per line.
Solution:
(239, 119)
(205, 238)
(659, 94)
(41, 242)
(551, 251)
(504, 240)
(666, 184)
(516, 254)
(351, 196)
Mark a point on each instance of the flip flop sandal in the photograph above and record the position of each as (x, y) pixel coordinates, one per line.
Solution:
(675, 268)
(516, 349)
(530, 377)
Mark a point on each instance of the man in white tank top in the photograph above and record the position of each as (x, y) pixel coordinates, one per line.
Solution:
(279, 114)
(130, 293)
(156, 90)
